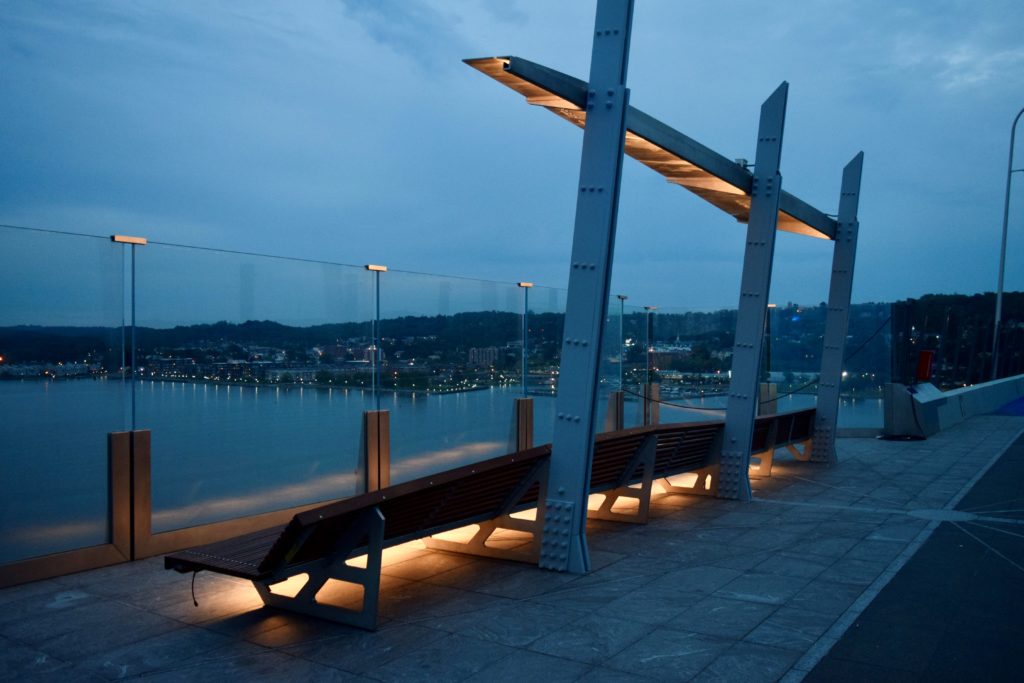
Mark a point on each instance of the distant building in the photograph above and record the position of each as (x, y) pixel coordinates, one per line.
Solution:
(483, 357)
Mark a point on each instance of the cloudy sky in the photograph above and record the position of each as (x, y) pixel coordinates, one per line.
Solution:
(350, 131)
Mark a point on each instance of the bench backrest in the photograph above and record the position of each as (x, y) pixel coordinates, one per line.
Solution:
(418, 508)
(681, 447)
(782, 429)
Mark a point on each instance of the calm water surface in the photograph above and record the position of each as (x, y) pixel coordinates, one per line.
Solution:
(225, 451)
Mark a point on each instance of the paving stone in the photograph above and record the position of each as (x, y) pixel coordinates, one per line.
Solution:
(527, 582)
(524, 665)
(592, 639)
(768, 539)
(791, 628)
(859, 572)
(791, 564)
(878, 551)
(700, 579)
(426, 565)
(20, 662)
(416, 600)
(264, 666)
(472, 576)
(746, 662)
(91, 628)
(165, 651)
(652, 605)
(826, 597)
(824, 546)
(359, 651)
(723, 617)
(452, 658)
(669, 654)
(592, 594)
(514, 624)
(763, 588)
(31, 590)
(40, 603)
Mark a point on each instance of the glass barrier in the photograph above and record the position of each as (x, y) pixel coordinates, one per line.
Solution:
(635, 361)
(690, 358)
(866, 366)
(609, 378)
(545, 322)
(450, 371)
(791, 356)
(253, 375)
(61, 388)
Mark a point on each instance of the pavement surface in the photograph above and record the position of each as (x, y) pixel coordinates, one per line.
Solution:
(825, 571)
(955, 612)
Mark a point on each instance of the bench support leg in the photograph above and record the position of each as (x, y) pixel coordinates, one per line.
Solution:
(706, 483)
(644, 457)
(761, 463)
(368, 533)
(477, 545)
(803, 453)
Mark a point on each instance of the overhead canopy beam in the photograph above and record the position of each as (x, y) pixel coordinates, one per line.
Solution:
(681, 159)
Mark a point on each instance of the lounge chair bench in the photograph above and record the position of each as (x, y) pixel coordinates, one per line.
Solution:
(792, 431)
(627, 463)
(318, 542)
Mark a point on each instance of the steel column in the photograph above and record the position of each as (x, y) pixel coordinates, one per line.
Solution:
(734, 476)
(564, 546)
(837, 322)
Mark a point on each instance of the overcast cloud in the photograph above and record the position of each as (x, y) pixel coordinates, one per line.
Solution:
(350, 131)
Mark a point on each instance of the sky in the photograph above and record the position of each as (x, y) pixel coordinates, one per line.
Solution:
(350, 131)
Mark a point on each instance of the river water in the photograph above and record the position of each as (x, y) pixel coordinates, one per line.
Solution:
(227, 451)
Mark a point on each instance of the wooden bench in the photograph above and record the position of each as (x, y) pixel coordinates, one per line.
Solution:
(791, 430)
(627, 463)
(320, 541)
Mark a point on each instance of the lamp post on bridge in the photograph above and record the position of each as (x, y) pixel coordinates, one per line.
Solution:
(622, 338)
(1010, 170)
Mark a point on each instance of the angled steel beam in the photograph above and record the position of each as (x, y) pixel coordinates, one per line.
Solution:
(681, 159)
(741, 409)
(837, 322)
(564, 545)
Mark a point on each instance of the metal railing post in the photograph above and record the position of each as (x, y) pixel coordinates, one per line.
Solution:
(377, 449)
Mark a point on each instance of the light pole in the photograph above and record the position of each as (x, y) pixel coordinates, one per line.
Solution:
(1002, 249)
(525, 286)
(649, 338)
(622, 338)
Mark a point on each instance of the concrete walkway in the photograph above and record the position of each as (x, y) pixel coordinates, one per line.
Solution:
(709, 590)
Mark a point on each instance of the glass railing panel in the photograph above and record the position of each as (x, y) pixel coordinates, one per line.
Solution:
(866, 366)
(609, 378)
(545, 324)
(253, 375)
(451, 369)
(635, 361)
(61, 388)
(690, 357)
(791, 355)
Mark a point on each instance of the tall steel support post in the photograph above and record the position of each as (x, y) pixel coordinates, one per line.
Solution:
(734, 477)
(1002, 251)
(837, 321)
(564, 545)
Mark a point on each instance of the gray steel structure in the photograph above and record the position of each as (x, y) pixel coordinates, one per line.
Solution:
(744, 394)
(612, 128)
(837, 320)
(564, 546)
